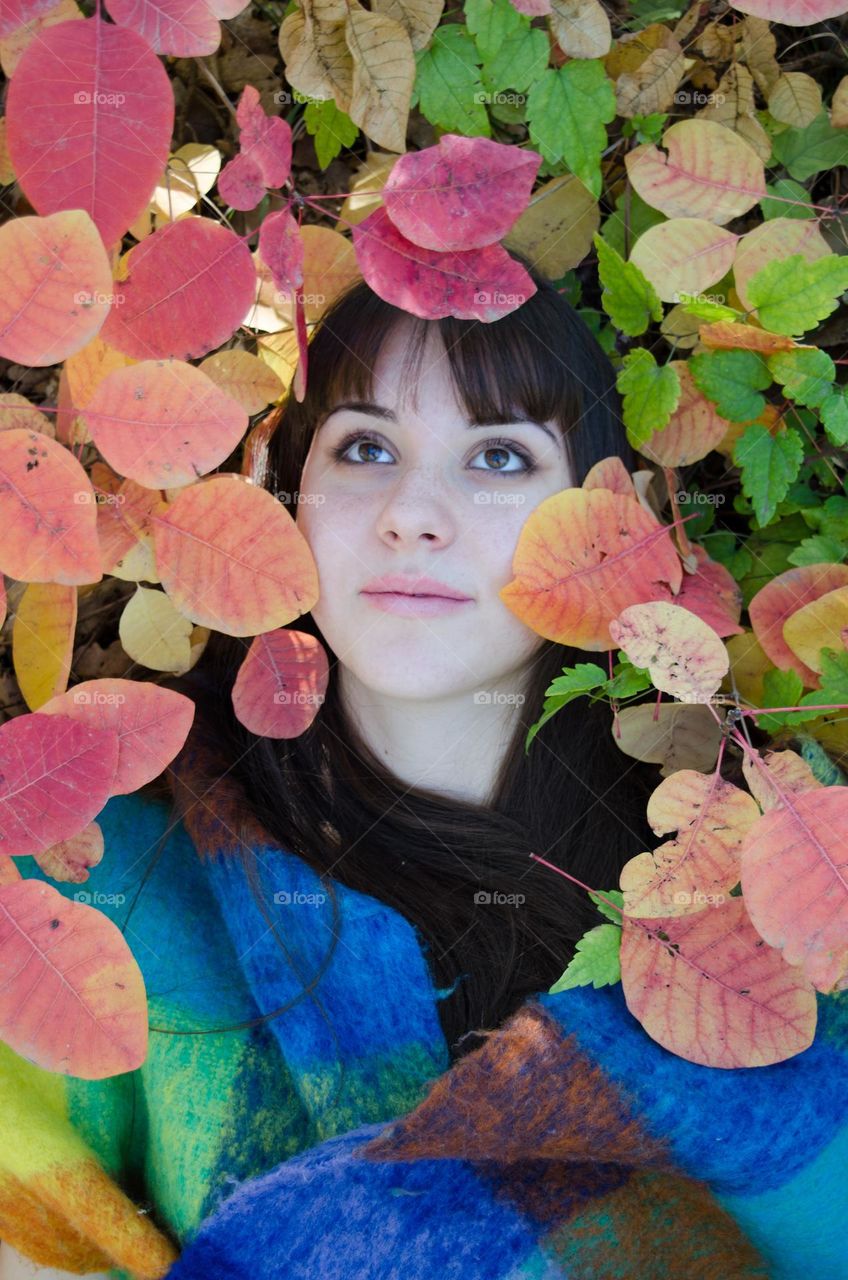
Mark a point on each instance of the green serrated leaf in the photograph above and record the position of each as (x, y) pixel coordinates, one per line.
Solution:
(786, 199)
(650, 394)
(332, 129)
(567, 109)
(491, 22)
(769, 463)
(807, 151)
(834, 415)
(613, 895)
(806, 374)
(783, 689)
(519, 61)
(448, 89)
(791, 295)
(733, 381)
(628, 298)
(596, 960)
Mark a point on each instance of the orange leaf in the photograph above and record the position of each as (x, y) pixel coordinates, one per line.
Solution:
(48, 526)
(712, 594)
(724, 335)
(779, 599)
(713, 992)
(583, 556)
(693, 429)
(701, 865)
(795, 881)
(232, 558)
(778, 772)
(75, 1002)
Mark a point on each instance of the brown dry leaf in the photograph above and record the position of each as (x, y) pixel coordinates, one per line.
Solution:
(759, 48)
(795, 99)
(651, 87)
(734, 108)
(839, 105)
(716, 41)
(317, 62)
(419, 18)
(556, 228)
(683, 736)
(383, 76)
(631, 50)
(581, 28)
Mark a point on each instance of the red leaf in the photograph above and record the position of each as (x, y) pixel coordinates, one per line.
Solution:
(281, 249)
(57, 775)
(280, 685)
(189, 286)
(477, 284)
(463, 193)
(240, 183)
(266, 140)
(98, 92)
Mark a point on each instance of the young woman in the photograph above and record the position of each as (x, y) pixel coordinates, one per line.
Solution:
(409, 803)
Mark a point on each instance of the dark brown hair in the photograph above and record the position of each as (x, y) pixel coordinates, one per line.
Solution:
(574, 798)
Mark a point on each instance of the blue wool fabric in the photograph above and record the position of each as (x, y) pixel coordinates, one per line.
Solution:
(336, 1141)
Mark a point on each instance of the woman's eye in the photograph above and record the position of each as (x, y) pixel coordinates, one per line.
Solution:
(493, 450)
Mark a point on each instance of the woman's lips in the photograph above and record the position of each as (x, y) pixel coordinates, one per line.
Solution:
(413, 606)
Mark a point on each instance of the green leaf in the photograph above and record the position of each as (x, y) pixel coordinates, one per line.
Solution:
(650, 392)
(519, 61)
(775, 205)
(732, 380)
(820, 549)
(627, 680)
(834, 680)
(596, 960)
(831, 517)
(769, 464)
(447, 83)
(783, 689)
(807, 151)
(567, 109)
(491, 22)
(806, 374)
(574, 682)
(628, 298)
(332, 129)
(834, 415)
(613, 895)
(791, 295)
(707, 310)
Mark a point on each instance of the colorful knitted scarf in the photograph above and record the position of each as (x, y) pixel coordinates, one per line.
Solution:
(335, 1141)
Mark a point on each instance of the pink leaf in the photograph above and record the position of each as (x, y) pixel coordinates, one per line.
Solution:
(182, 28)
(281, 249)
(477, 284)
(89, 116)
(267, 140)
(281, 684)
(711, 592)
(57, 775)
(463, 193)
(189, 286)
(151, 724)
(16, 13)
(240, 183)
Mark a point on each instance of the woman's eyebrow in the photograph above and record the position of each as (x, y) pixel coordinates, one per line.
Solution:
(388, 415)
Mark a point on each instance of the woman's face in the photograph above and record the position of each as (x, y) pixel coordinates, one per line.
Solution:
(422, 493)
